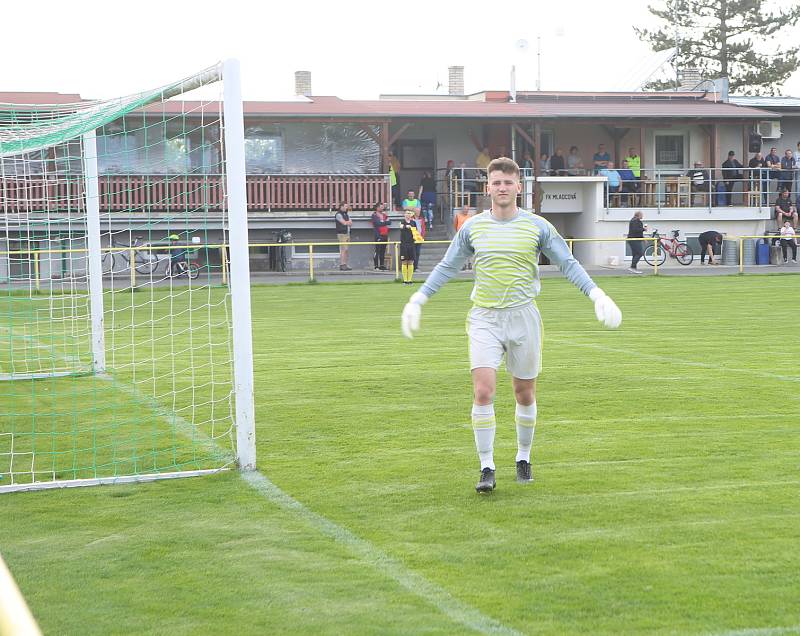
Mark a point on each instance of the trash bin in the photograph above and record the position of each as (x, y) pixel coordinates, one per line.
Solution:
(775, 255)
(762, 252)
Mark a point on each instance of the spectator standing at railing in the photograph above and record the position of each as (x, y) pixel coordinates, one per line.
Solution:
(788, 241)
(343, 225)
(773, 162)
(411, 201)
(527, 163)
(558, 164)
(630, 185)
(574, 162)
(634, 162)
(636, 231)
(482, 159)
(707, 241)
(380, 225)
(788, 164)
(759, 176)
(600, 159)
(544, 164)
(731, 173)
(797, 172)
(784, 210)
(427, 195)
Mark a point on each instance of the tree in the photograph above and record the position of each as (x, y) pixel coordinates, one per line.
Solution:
(716, 37)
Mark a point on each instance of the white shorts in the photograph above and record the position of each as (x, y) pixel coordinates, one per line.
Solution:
(516, 331)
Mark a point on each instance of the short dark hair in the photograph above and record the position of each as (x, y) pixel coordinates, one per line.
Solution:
(504, 165)
(731, 153)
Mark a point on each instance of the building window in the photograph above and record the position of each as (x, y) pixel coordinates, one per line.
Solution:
(263, 151)
(670, 151)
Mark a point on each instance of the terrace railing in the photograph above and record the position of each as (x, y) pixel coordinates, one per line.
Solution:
(173, 193)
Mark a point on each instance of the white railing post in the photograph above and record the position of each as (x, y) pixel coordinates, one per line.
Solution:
(94, 256)
(240, 266)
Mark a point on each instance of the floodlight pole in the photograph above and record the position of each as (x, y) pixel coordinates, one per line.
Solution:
(233, 122)
(93, 256)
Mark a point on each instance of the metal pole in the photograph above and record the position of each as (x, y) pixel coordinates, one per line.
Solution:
(655, 255)
(310, 263)
(741, 255)
(94, 255)
(240, 266)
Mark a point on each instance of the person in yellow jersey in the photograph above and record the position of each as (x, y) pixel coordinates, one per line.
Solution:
(409, 236)
(505, 243)
(634, 162)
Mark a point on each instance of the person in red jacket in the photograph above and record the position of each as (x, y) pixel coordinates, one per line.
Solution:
(380, 225)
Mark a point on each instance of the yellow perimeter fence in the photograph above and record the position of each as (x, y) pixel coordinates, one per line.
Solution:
(393, 252)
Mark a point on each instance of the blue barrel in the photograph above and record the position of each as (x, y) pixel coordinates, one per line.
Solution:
(762, 252)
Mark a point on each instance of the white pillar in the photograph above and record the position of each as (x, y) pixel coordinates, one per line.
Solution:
(94, 256)
(233, 127)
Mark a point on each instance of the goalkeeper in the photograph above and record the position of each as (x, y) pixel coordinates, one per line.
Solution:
(505, 244)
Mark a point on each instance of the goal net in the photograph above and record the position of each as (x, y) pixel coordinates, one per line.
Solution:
(125, 345)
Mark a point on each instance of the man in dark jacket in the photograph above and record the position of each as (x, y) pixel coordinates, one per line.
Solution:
(731, 173)
(707, 242)
(636, 231)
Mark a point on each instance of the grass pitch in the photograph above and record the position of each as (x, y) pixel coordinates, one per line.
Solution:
(666, 497)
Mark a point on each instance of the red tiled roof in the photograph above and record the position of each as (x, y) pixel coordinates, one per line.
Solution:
(25, 98)
(568, 105)
(556, 108)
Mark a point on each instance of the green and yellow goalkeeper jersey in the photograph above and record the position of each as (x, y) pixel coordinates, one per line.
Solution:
(506, 259)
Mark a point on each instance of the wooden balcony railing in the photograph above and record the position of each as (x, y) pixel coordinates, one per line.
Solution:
(189, 193)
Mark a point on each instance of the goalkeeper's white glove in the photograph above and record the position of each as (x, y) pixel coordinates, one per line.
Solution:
(412, 312)
(605, 309)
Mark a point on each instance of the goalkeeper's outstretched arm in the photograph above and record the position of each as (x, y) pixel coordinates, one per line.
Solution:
(458, 252)
(557, 250)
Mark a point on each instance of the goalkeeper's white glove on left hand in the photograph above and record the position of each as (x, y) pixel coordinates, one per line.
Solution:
(412, 312)
(605, 309)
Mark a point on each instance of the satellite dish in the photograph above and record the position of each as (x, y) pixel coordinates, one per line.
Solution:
(521, 45)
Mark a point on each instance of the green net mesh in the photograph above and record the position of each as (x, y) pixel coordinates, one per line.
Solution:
(163, 401)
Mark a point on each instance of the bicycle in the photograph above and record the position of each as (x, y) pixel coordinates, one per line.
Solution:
(178, 268)
(145, 260)
(679, 250)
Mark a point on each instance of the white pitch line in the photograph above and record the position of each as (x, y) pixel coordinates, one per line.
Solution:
(677, 360)
(761, 631)
(415, 583)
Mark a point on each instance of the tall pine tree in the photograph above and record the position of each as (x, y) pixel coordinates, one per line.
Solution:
(737, 39)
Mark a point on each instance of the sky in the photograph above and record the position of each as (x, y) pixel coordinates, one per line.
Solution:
(354, 49)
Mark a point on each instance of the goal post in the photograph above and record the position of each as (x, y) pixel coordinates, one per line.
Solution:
(15, 617)
(118, 361)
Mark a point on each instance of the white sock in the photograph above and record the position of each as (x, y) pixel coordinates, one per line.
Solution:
(483, 425)
(525, 417)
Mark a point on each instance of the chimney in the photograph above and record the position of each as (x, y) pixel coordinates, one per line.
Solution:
(456, 80)
(690, 78)
(302, 83)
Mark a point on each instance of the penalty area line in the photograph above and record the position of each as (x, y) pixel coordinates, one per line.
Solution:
(413, 582)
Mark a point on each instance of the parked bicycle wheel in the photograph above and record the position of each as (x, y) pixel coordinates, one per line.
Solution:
(146, 261)
(684, 254)
(192, 271)
(654, 256)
